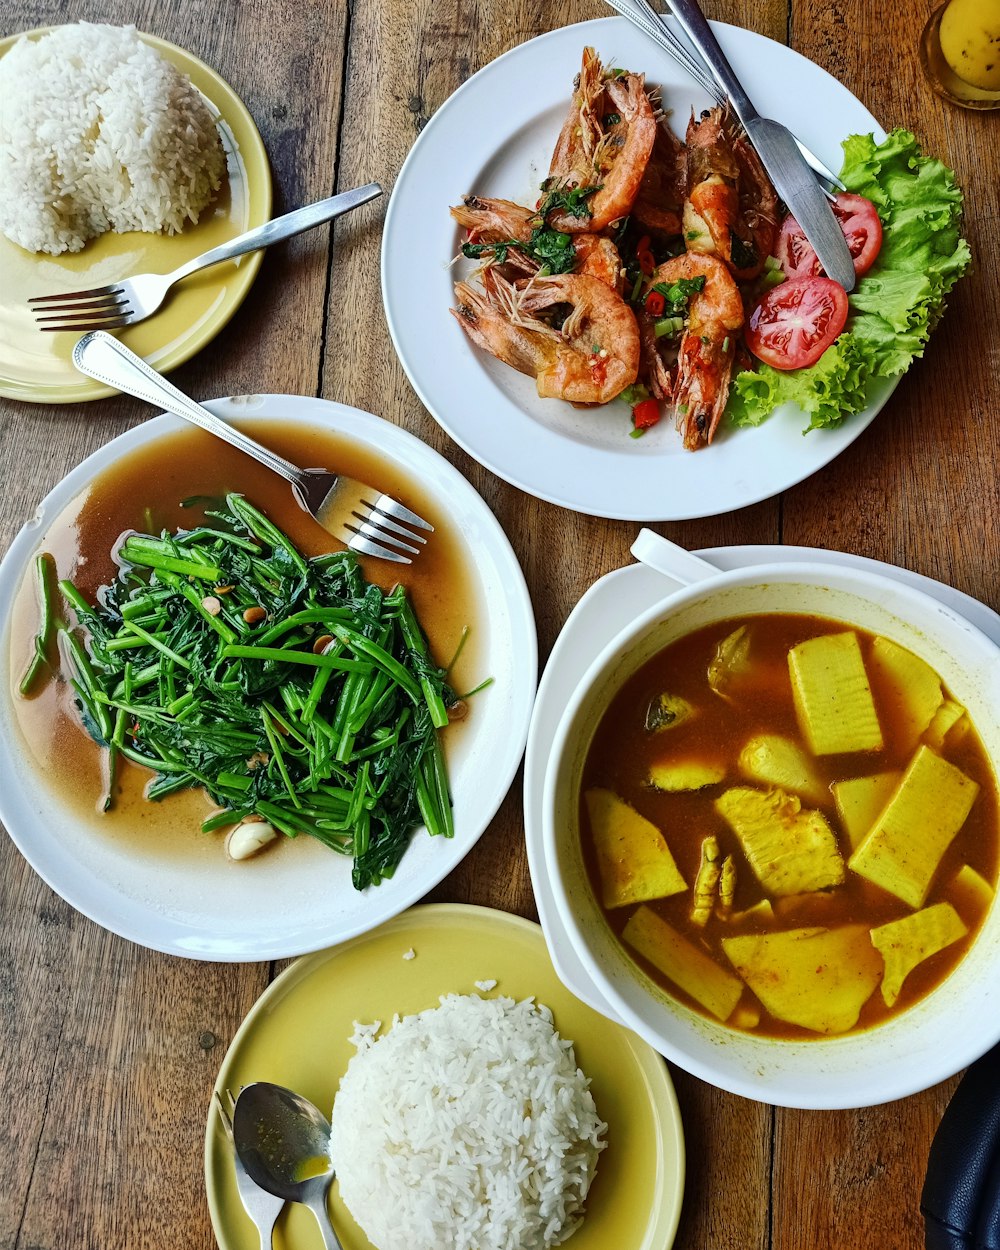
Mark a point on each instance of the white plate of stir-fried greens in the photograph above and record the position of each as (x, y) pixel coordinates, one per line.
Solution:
(494, 139)
(286, 687)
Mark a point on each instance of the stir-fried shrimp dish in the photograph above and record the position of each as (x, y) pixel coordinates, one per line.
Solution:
(630, 276)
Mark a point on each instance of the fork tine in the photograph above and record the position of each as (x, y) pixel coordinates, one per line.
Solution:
(65, 295)
(370, 528)
(81, 327)
(389, 506)
(377, 517)
(51, 311)
(368, 547)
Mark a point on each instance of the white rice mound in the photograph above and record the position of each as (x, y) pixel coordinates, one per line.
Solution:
(99, 132)
(466, 1126)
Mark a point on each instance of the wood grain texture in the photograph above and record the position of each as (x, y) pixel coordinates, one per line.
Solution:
(111, 1051)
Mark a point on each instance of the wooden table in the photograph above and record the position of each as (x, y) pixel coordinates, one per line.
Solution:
(108, 1052)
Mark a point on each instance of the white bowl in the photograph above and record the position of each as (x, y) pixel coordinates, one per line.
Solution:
(943, 1032)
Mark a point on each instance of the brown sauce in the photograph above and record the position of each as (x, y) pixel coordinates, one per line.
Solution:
(144, 491)
(622, 751)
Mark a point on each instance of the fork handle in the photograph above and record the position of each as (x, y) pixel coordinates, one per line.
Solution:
(101, 356)
(281, 228)
(695, 25)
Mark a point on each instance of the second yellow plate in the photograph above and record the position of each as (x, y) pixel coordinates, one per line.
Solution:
(297, 1035)
(38, 367)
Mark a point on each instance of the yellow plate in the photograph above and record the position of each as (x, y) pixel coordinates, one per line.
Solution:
(297, 1035)
(37, 367)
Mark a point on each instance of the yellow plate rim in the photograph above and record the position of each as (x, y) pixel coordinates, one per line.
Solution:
(651, 1069)
(260, 187)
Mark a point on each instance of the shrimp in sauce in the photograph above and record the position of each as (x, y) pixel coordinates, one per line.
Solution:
(700, 377)
(605, 144)
(490, 221)
(586, 355)
(731, 208)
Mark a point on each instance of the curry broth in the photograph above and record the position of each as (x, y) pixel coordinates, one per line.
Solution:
(144, 491)
(622, 751)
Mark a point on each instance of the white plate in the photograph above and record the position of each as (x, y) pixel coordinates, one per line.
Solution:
(495, 136)
(608, 606)
(208, 908)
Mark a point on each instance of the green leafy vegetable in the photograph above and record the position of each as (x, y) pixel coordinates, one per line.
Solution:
(220, 657)
(895, 305)
(552, 250)
(570, 200)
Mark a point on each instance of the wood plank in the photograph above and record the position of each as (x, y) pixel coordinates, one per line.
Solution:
(114, 1049)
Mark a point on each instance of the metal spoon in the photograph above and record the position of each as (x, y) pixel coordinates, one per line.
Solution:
(283, 1141)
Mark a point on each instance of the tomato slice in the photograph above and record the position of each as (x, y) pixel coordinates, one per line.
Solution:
(862, 229)
(794, 323)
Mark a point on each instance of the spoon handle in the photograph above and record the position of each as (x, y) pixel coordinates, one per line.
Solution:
(319, 1208)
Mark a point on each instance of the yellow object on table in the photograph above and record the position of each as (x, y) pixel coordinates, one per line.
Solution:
(970, 41)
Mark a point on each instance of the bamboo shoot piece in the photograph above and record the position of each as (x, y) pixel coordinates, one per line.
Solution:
(777, 761)
(833, 699)
(690, 774)
(915, 686)
(903, 849)
(950, 715)
(790, 850)
(633, 858)
(761, 912)
(860, 801)
(816, 978)
(972, 892)
(905, 943)
(687, 965)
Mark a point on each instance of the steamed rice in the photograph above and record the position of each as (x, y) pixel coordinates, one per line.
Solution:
(467, 1126)
(99, 132)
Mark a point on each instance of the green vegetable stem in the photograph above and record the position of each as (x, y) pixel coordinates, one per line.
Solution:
(284, 687)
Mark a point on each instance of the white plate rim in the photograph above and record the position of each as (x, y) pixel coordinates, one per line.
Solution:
(615, 482)
(636, 587)
(141, 924)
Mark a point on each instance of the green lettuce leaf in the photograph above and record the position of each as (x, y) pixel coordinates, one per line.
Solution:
(895, 305)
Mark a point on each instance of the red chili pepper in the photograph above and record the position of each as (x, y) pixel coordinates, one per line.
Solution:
(644, 255)
(646, 414)
(655, 304)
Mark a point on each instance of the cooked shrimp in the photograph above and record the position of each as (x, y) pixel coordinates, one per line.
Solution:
(660, 201)
(588, 359)
(598, 257)
(605, 144)
(707, 344)
(731, 207)
(502, 221)
(494, 221)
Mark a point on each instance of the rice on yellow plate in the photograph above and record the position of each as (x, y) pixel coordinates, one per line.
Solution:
(99, 132)
(469, 1124)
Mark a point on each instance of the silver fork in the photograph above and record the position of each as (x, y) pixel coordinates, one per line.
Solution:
(364, 519)
(133, 299)
(644, 17)
(262, 1207)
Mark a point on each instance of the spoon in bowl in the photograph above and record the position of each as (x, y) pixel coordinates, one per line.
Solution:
(283, 1141)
